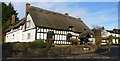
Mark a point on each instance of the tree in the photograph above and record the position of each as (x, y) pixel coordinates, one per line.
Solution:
(97, 32)
(7, 12)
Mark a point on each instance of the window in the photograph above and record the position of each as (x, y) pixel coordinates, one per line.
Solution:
(42, 36)
(70, 27)
(28, 37)
(57, 32)
(39, 35)
(45, 35)
(56, 37)
(45, 30)
(28, 24)
(13, 36)
(42, 29)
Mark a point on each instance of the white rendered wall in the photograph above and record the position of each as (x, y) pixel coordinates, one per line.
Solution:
(21, 35)
(104, 33)
(17, 36)
(29, 30)
(25, 36)
(29, 18)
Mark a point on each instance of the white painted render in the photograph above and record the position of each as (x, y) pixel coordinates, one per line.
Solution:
(92, 40)
(14, 35)
(19, 35)
(105, 33)
(25, 36)
(32, 25)
(103, 43)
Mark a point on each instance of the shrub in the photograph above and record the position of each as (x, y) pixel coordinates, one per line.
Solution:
(20, 47)
(37, 44)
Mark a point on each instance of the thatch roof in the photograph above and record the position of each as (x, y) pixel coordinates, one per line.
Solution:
(17, 24)
(45, 18)
(50, 19)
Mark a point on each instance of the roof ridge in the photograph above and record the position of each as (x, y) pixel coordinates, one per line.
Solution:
(53, 12)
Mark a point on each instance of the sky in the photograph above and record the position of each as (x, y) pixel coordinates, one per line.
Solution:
(60, 0)
(92, 13)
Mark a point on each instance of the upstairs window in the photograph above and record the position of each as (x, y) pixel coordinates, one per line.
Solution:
(13, 36)
(28, 24)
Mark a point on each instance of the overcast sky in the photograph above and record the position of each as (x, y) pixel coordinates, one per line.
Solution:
(92, 13)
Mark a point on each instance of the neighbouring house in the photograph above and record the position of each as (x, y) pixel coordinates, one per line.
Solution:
(115, 33)
(38, 22)
(107, 33)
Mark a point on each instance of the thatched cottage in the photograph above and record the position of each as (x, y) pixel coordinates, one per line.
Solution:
(38, 22)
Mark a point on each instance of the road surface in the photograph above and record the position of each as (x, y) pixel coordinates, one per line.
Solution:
(112, 53)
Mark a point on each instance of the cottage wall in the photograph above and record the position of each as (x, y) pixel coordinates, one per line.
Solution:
(105, 33)
(59, 37)
(14, 35)
(19, 35)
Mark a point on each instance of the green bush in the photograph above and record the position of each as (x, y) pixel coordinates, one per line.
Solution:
(22, 47)
(34, 44)
(37, 44)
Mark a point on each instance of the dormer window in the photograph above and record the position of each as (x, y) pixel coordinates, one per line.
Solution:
(28, 24)
(70, 27)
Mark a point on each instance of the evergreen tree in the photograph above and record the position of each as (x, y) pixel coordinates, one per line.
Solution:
(7, 12)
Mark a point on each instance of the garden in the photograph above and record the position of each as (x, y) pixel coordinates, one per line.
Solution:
(38, 48)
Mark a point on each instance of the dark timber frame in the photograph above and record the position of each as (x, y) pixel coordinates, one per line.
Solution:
(59, 33)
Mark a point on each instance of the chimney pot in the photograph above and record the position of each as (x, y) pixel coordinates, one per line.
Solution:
(27, 8)
(13, 20)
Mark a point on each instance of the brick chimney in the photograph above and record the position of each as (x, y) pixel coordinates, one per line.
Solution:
(13, 20)
(27, 12)
(27, 8)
